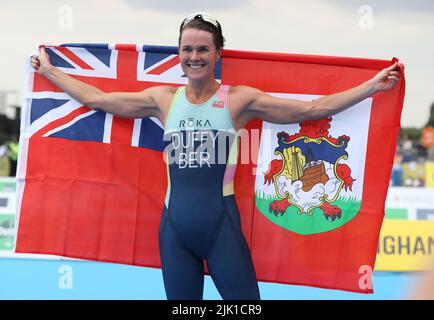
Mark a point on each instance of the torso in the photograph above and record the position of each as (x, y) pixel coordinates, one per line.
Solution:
(201, 158)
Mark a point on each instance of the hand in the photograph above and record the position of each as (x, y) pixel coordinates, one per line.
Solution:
(386, 79)
(42, 62)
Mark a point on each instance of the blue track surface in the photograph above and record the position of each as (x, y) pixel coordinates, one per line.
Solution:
(73, 279)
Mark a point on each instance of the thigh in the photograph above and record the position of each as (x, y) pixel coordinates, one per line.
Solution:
(230, 264)
(182, 271)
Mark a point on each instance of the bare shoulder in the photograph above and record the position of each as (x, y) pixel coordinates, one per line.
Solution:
(162, 96)
(242, 91)
(161, 91)
(239, 99)
(165, 89)
(240, 96)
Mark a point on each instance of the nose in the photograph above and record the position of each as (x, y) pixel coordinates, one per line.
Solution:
(194, 55)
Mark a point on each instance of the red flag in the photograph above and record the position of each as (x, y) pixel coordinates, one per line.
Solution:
(92, 186)
(339, 256)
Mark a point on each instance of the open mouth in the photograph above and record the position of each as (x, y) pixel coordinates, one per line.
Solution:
(195, 66)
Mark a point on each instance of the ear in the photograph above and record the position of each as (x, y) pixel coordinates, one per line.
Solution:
(219, 53)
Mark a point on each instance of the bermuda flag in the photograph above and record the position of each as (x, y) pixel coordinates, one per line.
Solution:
(311, 195)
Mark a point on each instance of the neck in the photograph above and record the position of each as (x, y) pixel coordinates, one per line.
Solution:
(200, 91)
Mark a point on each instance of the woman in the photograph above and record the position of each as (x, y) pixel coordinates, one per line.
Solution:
(200, 112)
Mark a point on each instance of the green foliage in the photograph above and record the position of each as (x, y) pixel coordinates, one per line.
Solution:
(430, 122)
(414, 134)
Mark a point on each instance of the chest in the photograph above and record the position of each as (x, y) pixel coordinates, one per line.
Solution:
(210, 115)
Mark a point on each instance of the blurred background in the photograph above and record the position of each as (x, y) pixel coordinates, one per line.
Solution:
(368, 29)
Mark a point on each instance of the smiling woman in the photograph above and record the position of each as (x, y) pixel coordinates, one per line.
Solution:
(198, 56)
(197, 118)
(200, 46)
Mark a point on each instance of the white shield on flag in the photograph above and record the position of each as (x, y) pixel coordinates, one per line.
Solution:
(310, 180)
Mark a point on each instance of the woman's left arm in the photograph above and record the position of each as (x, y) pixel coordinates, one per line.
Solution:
(279, 110)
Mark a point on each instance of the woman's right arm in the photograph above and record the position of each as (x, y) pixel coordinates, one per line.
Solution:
(124, 104)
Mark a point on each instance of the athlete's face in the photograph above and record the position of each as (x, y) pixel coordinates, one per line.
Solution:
(198, 54)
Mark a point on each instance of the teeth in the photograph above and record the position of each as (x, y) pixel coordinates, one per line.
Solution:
(195, 66)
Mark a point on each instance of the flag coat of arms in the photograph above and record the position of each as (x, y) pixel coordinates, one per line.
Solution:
(311, 195)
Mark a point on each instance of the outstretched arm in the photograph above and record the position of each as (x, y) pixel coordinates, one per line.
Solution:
(125, 104)
(278, 110)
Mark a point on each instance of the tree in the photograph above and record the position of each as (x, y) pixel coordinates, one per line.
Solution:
(430, 122)
(414, 134)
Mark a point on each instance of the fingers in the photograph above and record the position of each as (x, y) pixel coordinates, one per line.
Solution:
(393, 75)
(35, 60)
(394, 72)
(394, 78)
(42, 53)
(42, 50)
(394, 66)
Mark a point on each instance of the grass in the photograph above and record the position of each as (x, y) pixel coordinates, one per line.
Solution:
(303, 223)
